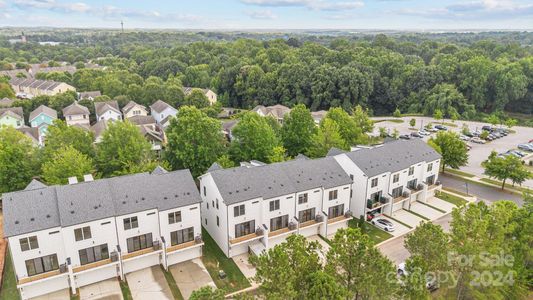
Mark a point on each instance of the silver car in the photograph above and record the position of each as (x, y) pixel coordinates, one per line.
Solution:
(383, 224)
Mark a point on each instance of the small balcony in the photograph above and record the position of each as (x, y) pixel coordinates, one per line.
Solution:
(402, 197)
(373, 204)
(92, 265)
(245, 238)
(338, 219)
(39, 277)
(138, 253)
(183, 246)
(433, 186)
(309, 223)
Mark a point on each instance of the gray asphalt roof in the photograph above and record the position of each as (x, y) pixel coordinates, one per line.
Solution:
(75, 109)
(83, 202)
(159, 106)
(101, 107)
(43, 109)
(270, 181)
(393, 156)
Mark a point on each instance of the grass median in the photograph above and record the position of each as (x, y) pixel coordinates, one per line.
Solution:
(375, 234)
(455, 200)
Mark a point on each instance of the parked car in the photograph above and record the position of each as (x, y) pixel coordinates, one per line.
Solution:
(525, 147)
(487, 128)
(517, 153)
(372, 215)
(424, 132)
(416, 134)
(469, 134)
(432, 129)
(431, 281)
(464, 138)
(383, 224)
(530, 141)
(477, 140)
(476, 133)
(441, 127)
(405, 137)
(497, 134)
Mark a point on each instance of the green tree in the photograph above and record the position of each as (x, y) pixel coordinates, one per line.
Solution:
(66, 162)
(196, 98)
(429, 240)
(123, 150)
(327, 137)
(283, 271)
(412, 122)
(195, 141)
(348, 129)
(18, 161)
(510, 123)
(325, 286)
(253, 138)
(362, 119)
(6, 91)
(298, 130)
(207, 293)
(504, 168)
(453, 150)
(225, 161)
(383, 132)
(60, 135)
(397, 113)
(278, 155)
(359, 267)
(493, 119)
(437, 115)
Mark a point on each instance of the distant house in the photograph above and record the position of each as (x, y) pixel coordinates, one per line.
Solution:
(133, 109)
(227, 128)
(29, 88)
(162, 113)
(107, 110)
(277, 111)
(211, 96)
(98, 129)
(12, 116)
(41, 118)
(318, 115)
(151, 130)
(76, 114)
(33, 134)
(6, 102)
(228, 112)
(89, 95)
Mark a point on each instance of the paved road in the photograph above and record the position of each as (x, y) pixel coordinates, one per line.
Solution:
(485, 193)
(394, 249)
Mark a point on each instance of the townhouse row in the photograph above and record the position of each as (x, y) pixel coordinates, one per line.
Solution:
(70, 236)
(77, 234)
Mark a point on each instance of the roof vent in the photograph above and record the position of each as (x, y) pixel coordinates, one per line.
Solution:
(88, 177)
(32, 219)
(16, 222)
(48, 216)
(72, 212)
(142, 198)
(72, 180)
(95, 207)
(165, 198)
(123, 202)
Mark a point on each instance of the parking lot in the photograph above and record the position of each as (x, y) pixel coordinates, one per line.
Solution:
(478, 153)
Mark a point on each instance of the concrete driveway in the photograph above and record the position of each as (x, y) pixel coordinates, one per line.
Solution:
(426, 211)
(407, 218)
(247, 269)
(325, 246)
(441, 204)
(59, 295)
(149, 283)
(190, 276)
(103, 290)
(399, 228)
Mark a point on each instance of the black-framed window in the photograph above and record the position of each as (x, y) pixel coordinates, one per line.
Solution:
(336, 211)
(182, 236)
(82, 233)
(93, 254)
(217, 202)
(278, 223)
(130, 223)
(397, 192)
(218, 222)
(174, 217)
(411, 170)
(306, 215)
(42, 264)
(333, 195)
(244, 228)
(374, 182)
(238, 210)
(274, 205)
(29, 243)
(139, 242)
(395, 178)
(412, 183)
(302, 198)
(430, 167)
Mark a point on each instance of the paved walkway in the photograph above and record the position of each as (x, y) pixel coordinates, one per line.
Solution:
(407, 218)
(59, 295)
(104, 290)
(190, 276)
(426, 211)
(441, 204)
(149, 283)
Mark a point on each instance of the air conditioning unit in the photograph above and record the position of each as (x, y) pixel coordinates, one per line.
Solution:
(259, 231)
(198, 239)
(156, 245)
(405, 194)
(114, 256)
(292, 226)
(319, 218)
(348, 214)
(63, 268)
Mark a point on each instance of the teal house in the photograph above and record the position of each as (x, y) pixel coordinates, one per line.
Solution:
(12, 116)
(41, 118)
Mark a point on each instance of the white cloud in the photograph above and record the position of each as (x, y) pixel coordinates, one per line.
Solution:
(310, 4)
(266, 14)
(52, 5)
(484, 9)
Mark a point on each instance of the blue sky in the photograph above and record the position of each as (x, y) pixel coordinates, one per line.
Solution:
(272, 14)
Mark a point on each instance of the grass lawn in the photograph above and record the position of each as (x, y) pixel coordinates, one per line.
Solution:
(215, 260)
(9, 282)
(456, 191)
(172, 284)
(390, 120)
(455, 200)
(376, 235)
(458, 172)
(126, 293)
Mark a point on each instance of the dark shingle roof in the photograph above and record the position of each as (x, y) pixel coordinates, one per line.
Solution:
(393, 156)
(75, 109)
(335, 151)
(83, 202)
(6, 102)
(159, 106)
(142, 120)
(269, 181)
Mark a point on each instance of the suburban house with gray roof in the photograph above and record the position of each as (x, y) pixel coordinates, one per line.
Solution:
(133, 109)
(12, 116)
(391, 177)
(209, 94)
(162, 112)
(42, 117)
(277, 111)
(108, 111)
(256, 206)
(69, 236)
(76, 114)
(30, 87)
(89, 95)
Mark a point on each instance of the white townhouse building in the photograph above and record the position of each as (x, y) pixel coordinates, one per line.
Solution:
(390, 177)
(76, 114)
(162, 113)
(107, 110)
(74, 235)
(256, 206)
